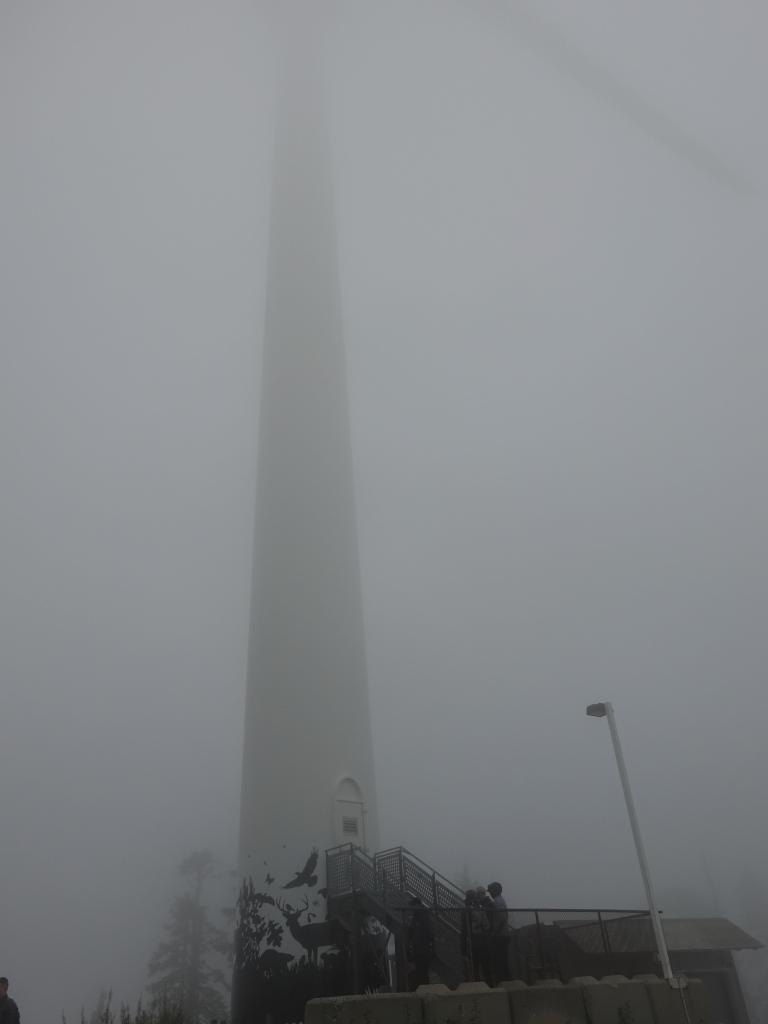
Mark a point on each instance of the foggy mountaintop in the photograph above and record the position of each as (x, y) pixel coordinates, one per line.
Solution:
(554, 310)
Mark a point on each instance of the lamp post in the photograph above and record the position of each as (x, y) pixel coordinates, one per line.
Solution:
(605, 710)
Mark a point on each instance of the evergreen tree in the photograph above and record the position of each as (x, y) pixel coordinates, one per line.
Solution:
(101, 1014)
(184, 970)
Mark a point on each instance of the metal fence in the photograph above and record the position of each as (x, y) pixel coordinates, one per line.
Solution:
(468, 941)
(532, 944)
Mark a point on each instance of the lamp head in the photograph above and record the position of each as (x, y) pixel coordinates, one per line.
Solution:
(598, 710)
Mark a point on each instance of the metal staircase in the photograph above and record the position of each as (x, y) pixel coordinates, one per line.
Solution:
(384, 884)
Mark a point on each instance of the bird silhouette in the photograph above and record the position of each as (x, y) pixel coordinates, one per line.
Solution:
(269, 879)
(306, 876)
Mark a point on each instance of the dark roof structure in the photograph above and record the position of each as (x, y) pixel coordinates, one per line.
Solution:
(635, 935)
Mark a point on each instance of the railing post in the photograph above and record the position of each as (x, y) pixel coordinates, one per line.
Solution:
(355, 947)
(538, 938)
(604, 934)
(401, 961)
(468, 933)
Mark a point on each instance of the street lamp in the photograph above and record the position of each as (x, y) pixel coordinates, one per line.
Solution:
(605, 710)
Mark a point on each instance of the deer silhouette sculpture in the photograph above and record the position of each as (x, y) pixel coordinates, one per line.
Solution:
(309, 936)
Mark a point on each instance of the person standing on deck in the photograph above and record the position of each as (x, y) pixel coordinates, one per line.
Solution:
(499, 937)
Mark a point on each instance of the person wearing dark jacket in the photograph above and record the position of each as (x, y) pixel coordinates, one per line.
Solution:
(479, 929)
(9, 1011)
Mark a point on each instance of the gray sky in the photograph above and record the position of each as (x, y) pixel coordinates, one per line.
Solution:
(557, 371)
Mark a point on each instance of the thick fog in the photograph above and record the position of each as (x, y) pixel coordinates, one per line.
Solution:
(552, 245)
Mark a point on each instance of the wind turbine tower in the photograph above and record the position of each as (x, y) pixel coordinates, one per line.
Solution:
(308, 779)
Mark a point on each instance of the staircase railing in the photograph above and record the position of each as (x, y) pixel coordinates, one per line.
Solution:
(416, 878)
(350, 869)
(389, 880)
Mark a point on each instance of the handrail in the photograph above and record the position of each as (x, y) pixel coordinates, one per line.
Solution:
(427, 868)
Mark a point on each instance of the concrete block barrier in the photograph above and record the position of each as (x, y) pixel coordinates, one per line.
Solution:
(617, 1000)
(686, 1002)
(387, 1008)
(644, 999)
(470, 1003)
(697, 1002)
(547, 1003)
(666, 1002)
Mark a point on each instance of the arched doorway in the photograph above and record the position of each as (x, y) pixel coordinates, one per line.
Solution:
(349, 813)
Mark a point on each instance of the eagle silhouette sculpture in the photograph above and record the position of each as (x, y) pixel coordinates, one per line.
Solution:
(306, 876)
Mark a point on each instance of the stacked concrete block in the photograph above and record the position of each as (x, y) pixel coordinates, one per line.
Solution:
(666, 1002)
(547, 1002)
(616, 1000)
(470, 1003)
(613, 1000)
(697, 1002)
(684, 1002)
(388, 1008)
